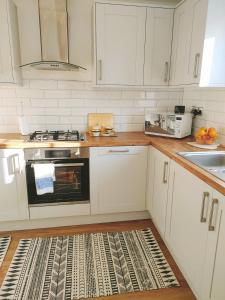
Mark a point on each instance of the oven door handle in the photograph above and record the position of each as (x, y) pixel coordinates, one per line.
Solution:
(65, 165)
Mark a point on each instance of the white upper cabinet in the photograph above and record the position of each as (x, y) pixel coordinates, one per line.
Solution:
(159, 27)
(9, 43)
(198, 10)
(213, 65)
(120, 39)
(199, 44)
(189, 30)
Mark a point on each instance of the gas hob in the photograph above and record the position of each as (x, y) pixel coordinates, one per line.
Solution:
(41, 136)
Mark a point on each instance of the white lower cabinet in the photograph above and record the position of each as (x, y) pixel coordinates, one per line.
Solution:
(13, 198)
(158, 184)
(118, 179)
(213, 287)
(194, 232)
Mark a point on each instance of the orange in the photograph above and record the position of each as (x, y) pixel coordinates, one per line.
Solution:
(201, 132)
(212, 132)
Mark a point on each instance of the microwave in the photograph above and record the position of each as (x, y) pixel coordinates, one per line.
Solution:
(168, 124)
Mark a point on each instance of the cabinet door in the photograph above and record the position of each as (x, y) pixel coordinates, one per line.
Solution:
(218, 286)
(198, 9)
(159, 26)
(213, 65)
(118, 179)
(181, 44)
(213, 287)
(6, 71)
(160, 190)
(150, 179)
(120, 39)
(188, 225)
(13, 199)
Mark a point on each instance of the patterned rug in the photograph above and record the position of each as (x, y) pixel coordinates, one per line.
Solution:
(86, 265)
(4, 245)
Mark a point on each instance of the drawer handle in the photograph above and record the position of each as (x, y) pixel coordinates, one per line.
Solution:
(165, 172)
(215, 202)
(203, 217)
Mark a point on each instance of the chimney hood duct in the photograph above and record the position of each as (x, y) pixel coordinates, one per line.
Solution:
(53, 20)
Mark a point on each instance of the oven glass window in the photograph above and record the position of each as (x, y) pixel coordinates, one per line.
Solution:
(71, 183)
(68, 180)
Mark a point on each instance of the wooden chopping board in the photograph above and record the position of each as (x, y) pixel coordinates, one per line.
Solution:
(102, 120)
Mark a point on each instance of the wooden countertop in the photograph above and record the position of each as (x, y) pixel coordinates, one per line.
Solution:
(168, 146)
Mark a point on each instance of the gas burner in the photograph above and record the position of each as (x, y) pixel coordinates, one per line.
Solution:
(56, 136)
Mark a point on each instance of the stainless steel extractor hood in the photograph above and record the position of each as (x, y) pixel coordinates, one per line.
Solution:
(53, 20)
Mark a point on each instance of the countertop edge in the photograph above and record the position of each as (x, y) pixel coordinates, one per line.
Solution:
(167, 146)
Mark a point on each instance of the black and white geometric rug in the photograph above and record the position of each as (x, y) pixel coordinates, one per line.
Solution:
(86, 265)
(4, 245)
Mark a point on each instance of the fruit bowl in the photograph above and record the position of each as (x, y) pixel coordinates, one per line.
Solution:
(206, 136)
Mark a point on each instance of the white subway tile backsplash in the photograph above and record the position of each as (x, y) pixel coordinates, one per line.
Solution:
(83, 111)
(8, 110)
(73, 120)
(59, 111)
(131, 127)
(71, 103)
(34, 111)
(71, 85)
(7, 93)
(43, 84)
(44, 103)
(57, 94)
(132, 111)
(29, 93)
(108, 110)
(212, 102)
(63, 105)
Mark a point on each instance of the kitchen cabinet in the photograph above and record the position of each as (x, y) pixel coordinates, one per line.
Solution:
(195, 232)
(158, 185)
(9, 43)
(214, 268)
(188, 229)
(118, 179)
(188, 42)
(159, 27)
(213, 65)
(13, 199)
(120, 39)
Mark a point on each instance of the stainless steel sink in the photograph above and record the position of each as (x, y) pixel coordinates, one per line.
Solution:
(213, 162)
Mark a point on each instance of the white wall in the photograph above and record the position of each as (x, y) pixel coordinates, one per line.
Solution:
(213, 103)
(55, 105)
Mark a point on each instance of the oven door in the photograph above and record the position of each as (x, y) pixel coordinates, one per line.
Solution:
(71, 182)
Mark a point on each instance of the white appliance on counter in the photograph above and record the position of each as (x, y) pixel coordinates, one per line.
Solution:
(168, 124)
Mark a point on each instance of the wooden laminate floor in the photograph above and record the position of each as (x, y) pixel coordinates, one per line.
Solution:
(181, 293)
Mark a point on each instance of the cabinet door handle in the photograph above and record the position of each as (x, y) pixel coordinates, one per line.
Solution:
(213, 213)
(16, 164)
(203, 218)
(165, 171)
(196, 65)
(119, 151)
(99, 69)
(166, 73)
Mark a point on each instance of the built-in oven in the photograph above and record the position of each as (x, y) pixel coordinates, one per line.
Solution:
(71, 175)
